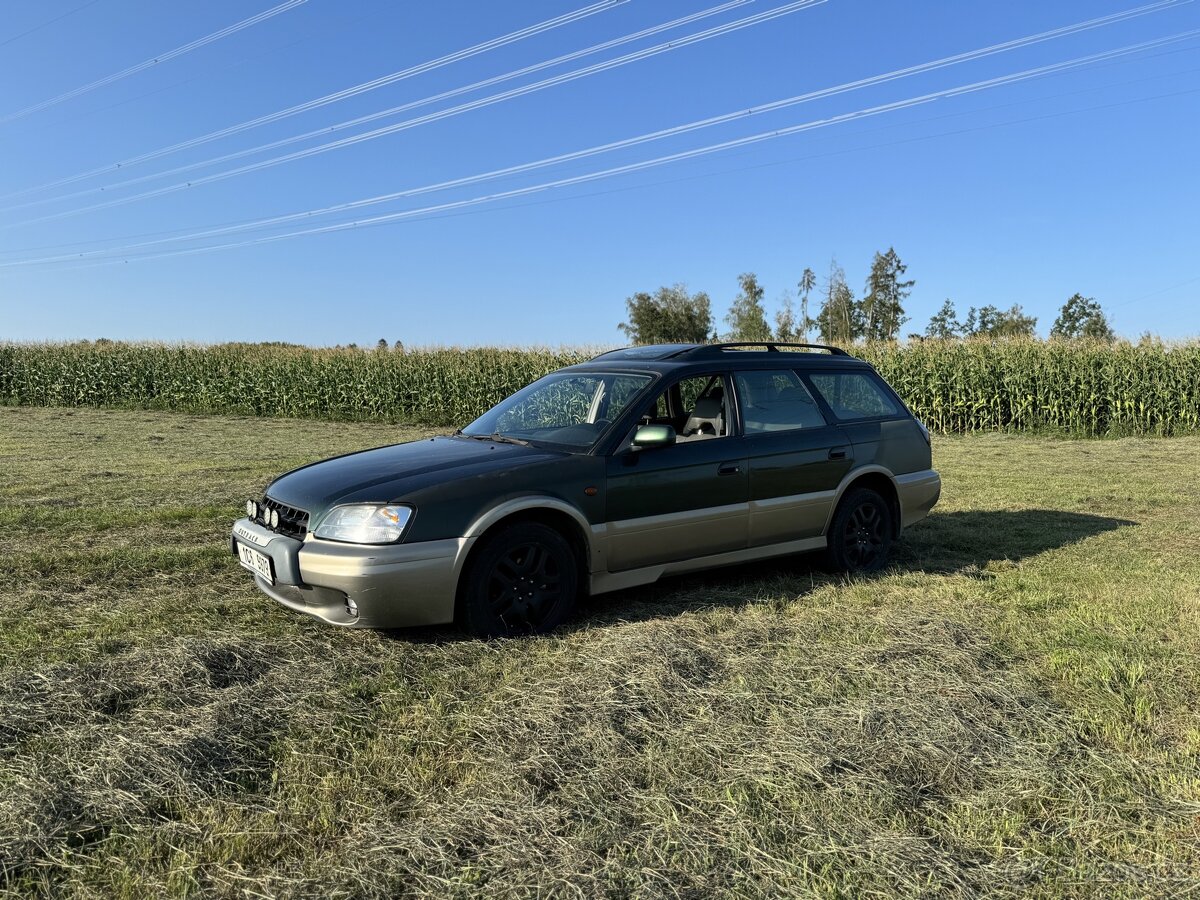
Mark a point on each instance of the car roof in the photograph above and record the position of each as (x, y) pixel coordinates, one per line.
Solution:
(671, 357)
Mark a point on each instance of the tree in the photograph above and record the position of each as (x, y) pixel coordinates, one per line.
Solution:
(993, 322)
(382, 344)
(808, 281)
(970, 325)
(668, 316)
(944, 324)
(883, 302)
(840, 319)
(747, 319)
(786, 327)
(1082, 317)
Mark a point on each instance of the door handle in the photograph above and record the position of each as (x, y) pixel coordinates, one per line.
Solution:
(837, 453)
(728, 469)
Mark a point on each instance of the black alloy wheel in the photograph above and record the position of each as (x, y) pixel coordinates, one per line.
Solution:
(860, 536)
(522, 580)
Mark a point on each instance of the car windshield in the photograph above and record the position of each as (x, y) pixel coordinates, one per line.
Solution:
(565, 409)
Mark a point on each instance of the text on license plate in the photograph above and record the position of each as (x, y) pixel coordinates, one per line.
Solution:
(258, 563)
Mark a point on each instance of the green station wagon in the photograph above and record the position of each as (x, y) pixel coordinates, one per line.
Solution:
(640, 463)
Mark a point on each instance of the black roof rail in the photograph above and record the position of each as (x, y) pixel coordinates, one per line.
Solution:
(705, 351)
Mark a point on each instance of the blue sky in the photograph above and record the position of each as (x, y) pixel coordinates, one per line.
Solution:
(1026, 193)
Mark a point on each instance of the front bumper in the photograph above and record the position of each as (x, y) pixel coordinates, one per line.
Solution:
(392, 586)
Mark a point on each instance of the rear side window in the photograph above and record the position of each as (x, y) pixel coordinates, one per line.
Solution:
(775, 400)
(853, 395)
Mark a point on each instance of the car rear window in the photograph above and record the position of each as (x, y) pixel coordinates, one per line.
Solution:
(853, 395)
(775, 400)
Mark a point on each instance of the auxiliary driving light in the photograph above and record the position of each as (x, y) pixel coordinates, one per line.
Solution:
(251, 508)
(351, 608)
(274, 518)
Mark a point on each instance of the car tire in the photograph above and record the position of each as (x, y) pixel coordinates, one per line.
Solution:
(521, 580)
(860, 534)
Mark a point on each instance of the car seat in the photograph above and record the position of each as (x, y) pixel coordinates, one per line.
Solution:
(707, 418)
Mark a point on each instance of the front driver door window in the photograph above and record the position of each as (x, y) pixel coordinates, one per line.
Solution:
(684, 501)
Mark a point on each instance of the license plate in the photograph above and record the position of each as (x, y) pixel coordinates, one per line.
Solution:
(258, 563)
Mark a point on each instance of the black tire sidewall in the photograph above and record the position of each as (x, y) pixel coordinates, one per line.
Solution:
(476, 617)
(835, 554)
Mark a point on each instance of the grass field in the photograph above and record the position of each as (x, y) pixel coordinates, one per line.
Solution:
(1011, 709)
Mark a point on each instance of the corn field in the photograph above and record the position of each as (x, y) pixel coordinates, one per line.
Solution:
(1020, 386)
(1077, 388)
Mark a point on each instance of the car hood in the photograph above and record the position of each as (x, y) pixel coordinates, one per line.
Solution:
(388, 473)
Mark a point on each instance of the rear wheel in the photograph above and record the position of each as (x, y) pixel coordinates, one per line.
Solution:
(860, 535)
(524, 579)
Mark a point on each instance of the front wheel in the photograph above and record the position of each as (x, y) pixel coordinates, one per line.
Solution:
(523, 579)
(860, 535)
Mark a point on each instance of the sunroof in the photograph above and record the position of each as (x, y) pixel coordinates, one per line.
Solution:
(652, 351)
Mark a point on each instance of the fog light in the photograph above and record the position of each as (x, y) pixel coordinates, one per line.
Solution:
(351, 608)
(274, 518)
(251, 508)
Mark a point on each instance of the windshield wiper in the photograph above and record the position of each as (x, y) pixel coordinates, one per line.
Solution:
(496, 438)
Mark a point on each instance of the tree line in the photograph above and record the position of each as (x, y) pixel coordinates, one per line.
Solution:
(836, 316)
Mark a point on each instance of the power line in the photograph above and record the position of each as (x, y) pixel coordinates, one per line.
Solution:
(576, 155)
(154, 61)
(480, 103)
(962, 90)
(458, 55)
(395, 110)
(606, 148)
(559, 79)
(323, 32)
(881, 145)
(773, 163)
(1165, 290)
(69, 12)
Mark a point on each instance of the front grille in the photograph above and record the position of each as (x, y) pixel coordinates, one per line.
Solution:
(292, 522)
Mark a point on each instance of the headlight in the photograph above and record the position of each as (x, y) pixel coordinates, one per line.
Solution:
(365, 524)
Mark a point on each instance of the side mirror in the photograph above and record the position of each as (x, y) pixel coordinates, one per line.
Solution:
(647, 437)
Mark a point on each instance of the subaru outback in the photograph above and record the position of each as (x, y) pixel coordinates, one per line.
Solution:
(640, 463)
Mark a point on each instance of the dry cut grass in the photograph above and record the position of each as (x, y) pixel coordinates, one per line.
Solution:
(1009, 710)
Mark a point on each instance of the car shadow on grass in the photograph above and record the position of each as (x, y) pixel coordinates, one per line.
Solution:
(968, 542)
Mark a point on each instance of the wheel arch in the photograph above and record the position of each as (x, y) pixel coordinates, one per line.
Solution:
(550, 511)
(877, 479)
